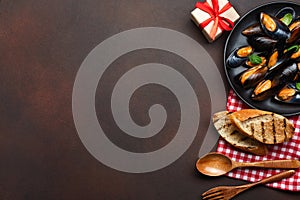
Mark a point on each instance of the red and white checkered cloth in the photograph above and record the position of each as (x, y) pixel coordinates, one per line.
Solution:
(286, 150)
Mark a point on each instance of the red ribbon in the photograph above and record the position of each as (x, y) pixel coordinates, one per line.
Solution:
(219, 22)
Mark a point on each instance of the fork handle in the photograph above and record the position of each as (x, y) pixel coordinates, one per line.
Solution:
(274, 178)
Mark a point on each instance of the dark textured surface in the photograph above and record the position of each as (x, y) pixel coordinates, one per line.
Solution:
(42, 45)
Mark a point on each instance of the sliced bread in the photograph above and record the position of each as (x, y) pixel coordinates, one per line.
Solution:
(230, 133)
(263, 126)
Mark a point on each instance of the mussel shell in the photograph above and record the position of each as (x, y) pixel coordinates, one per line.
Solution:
(252, 76)
(273, 58)
(294, 23)
(280, 14)
(286, 93)
(278, 81)
(282, 61)
(236, 60)
(267, 94)
(295, 35)
(286, 75)
(280, 32)
(292, 85)
(262, 43)
(244, 51)
(253, 30)
(296, 56)
(291, 98)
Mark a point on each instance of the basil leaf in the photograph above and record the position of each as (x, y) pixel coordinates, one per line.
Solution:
(255, 59)
(287, 19)
(298, 85)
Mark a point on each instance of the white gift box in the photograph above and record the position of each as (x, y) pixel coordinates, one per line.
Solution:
(199, 16)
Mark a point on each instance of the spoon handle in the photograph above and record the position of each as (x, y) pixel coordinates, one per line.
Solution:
(280, 164)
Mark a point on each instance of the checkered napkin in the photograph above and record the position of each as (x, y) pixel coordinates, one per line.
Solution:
(286, 150)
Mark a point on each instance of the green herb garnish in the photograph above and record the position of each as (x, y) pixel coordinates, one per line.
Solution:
(295, 48)
(287, 19)
(298, 85)
(255, 59)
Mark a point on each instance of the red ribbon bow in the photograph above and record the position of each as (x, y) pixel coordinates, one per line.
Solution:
(214, 12)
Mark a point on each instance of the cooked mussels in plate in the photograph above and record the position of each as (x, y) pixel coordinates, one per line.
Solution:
(271, 59)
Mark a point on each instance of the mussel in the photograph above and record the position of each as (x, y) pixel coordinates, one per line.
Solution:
(296, 55)
(253, 30)
(273, 59)
(295, 32)
(239, 56)
(274, 82)
(286, 74)
(278, 60)
(250, 77)
(289, 94)
(273, 27)
(294, 24)
(263, 90)
(262, 43)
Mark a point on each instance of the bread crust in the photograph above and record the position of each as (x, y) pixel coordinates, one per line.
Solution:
(230, 133)
(263, 126)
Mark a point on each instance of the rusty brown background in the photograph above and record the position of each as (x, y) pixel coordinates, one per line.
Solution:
(42, 45)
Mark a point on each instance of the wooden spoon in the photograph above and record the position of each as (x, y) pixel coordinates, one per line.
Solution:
(217, 164)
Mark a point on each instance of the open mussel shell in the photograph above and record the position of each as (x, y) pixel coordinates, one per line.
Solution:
(239, 56)
(273, 27)
(295, 36)
(252, 76)
(282, 12)
(289, 94)
(274, 82)
(295, 23)
(264, 90)
(295, 33)
(278, 60)
(295, 99)
(262, 43)
(273, 59)
(296, 56)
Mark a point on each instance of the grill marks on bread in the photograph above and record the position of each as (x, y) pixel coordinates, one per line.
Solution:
(231, 134)
(263, 126)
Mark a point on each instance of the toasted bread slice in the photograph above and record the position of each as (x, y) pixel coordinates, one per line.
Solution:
(263, 126)
(230, 133)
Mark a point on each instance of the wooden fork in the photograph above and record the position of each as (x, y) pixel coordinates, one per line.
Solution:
(227, 192)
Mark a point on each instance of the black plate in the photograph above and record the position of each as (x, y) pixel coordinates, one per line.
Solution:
(235, 40)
